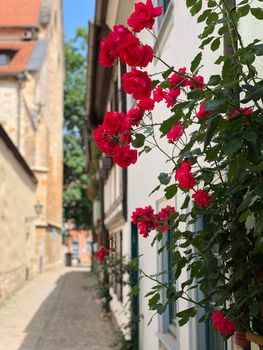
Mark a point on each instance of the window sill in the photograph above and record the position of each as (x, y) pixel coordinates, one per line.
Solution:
(167, 340)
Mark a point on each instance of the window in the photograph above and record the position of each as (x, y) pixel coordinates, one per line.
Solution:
(6, 57)
(116, 274)
(164, 4)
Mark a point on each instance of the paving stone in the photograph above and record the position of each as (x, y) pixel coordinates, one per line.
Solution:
(56, 311)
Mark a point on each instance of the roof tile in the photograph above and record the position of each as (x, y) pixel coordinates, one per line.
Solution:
(19, 13)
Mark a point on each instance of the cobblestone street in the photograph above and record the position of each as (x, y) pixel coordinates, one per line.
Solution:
(55, 311)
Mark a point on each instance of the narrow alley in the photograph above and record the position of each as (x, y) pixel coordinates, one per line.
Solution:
(56, 311)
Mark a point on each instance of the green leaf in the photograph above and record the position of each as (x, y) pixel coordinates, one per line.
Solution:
(215, 44)
(196, 62)
(135, 290)
(154, 300)
(203, 16)
(154, 84)
(243, 11)
(211, 3)
(186, 202)
(164, 178)
(169, 123)
(166, 74)
(258, 49)
(139, 141)
(190, 3)
(250, 136)
(212, 18)
(160, 308)
(187, 313)
(170, 191)
(214, 80)
(196, 8)
(254, 309)
(155, 189)
(214, 104)
(233, 145)
(257, 12)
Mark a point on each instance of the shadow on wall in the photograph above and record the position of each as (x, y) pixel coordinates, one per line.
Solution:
(69, 319)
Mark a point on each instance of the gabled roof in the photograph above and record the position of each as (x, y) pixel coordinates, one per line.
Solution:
(20, 13)
(22, 54)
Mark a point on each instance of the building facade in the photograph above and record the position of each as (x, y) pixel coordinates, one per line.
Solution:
(176, 41)
(31, 109)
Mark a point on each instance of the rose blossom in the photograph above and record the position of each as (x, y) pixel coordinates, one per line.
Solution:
(106, 143)
(109, 45)
(158, 94)
(145, 219)
(196, 83)
(143, 16)
(184, 175)
(133, 53)
(171, 97)
(146, 104)
(163, 217)
(202, 113)
(137, 83)
(176, 132)
(115, 122)
(134, 115)
(124, 156)
(241, 111)
(177, 79)
(202, 198)
(102, 253)
(223, 324)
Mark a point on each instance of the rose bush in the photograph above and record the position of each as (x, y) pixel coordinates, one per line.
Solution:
(217, 129)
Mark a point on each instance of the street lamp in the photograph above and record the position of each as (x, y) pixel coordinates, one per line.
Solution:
(38, 209)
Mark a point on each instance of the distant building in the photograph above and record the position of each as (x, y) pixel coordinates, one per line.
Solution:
(31, 110)
(80, 244)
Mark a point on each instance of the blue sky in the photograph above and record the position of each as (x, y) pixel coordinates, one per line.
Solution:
(76, 14)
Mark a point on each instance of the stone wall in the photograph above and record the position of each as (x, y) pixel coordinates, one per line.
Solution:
(17, 193)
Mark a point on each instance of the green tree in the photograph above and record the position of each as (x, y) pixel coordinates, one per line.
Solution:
(77, 206)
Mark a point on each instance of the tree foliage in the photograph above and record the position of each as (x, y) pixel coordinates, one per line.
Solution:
(77, 206)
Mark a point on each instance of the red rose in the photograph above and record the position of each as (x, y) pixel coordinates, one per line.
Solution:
(134, 115)
(202, 113)
(145, 219)
(102, 253)
(124, 156)
(176, 132)
(184, 175)
(143, 16)
(197, 83)
(223, 324)
(241, 112)
(109, 45)
(177, 80)
(105, 57)
(105, 142)
(146, 104)
(133, 53)
(137, 83)
(115, 122)
(202, 198)
(171, 97)
(158, 94)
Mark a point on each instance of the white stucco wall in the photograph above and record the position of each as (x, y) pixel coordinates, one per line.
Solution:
(178, 45)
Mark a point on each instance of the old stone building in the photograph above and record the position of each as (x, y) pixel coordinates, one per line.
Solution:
(31, 111)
